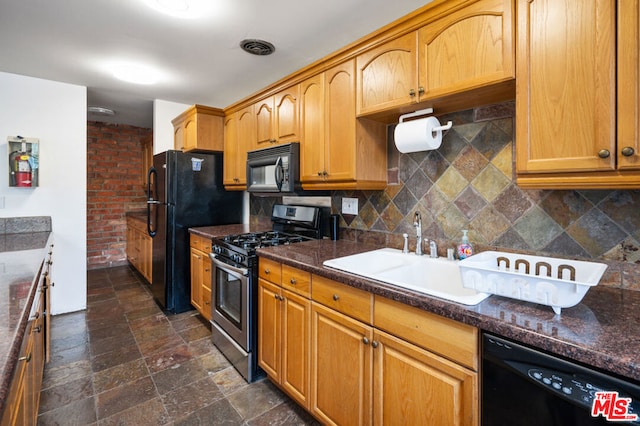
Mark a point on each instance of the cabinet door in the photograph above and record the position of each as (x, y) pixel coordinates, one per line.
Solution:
(295, 340)
(269, 328)
(469, 48)
(312, 123)
(387, 75)
(565, 86)
(287, 118)
(340, 368)
(629, 85)
(246, 142)
(190, 140)
(265, 117)
(230, 158)
(340, 134)
(206, 285)
(196, 279)
(411, 383)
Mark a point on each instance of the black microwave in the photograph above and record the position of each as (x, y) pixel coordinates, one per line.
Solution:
(274, 169)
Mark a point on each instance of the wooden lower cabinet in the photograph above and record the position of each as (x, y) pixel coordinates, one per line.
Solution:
(412, 385)
(24, 394)
(200, 248)
(340, 368)
(139, 246)
(350, 358)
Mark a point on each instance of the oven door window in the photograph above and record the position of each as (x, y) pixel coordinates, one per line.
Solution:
(229, 296)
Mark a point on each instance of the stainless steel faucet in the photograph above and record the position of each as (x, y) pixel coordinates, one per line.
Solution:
(417, 222)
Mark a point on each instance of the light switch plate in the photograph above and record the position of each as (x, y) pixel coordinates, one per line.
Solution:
(350, 206)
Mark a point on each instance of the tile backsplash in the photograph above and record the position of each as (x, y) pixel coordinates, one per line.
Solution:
(469, 183)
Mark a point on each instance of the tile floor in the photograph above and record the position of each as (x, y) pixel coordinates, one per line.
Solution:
(123, 362)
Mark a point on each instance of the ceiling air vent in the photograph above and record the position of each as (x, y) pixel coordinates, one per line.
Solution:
(257, 47)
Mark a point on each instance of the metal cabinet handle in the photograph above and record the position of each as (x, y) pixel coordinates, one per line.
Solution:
(25, 358)
(421, 90)
(207, 302)
(336, 297)
(365, 340)
(374, 344)
(293, 281)
(604, 153)
(628, 151)
(267, 271)
(37, 329)
(412, 93)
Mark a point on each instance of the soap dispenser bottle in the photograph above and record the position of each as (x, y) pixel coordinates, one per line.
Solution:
(465, 249)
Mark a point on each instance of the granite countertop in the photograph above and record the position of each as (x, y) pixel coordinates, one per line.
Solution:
(601, 331)
(220, 231)
(21, 256)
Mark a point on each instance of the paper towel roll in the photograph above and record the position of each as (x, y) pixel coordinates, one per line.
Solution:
(417, 135)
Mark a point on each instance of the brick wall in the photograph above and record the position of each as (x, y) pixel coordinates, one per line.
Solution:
(114, 186)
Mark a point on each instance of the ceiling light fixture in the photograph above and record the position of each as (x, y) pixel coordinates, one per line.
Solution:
(100, 110)
(257, 47)
(188, 9)
(135, 73)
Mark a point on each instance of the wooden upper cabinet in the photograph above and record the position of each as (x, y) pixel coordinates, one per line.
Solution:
(387, 75)
(239, 137)
(340, 122)
(264, 122)
(469, 48)
(277, 118)
(199, 128)
(629, 85)
(312, 156)
(338, 150)
(565, 102)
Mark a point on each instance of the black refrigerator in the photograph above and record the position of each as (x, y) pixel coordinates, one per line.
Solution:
(184, 190)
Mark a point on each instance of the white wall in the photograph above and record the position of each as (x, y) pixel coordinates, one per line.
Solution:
(163, 113)
(55, 113)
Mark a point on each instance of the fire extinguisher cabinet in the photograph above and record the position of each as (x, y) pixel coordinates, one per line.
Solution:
(23, 161)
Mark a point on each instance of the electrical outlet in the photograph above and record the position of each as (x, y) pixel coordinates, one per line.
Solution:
(350, 206)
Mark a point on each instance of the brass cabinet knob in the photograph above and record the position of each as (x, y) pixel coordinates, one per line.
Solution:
(604, 153)
(628, 151)
(293, 281)
(421, 90)
(336, 297)
(412, 93)
(319, 173)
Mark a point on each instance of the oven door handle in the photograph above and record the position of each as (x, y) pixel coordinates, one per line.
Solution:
(222, 265)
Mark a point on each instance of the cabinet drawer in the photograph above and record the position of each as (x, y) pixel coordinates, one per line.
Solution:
(270, 270)
(350, 301)
(451, 339)
(200, 243)
(296, 280)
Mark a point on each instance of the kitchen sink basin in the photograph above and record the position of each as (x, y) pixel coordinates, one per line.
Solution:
(437, 277)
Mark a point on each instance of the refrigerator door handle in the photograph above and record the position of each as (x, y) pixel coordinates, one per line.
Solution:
(150, 201)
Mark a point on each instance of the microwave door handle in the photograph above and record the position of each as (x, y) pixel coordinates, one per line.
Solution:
(279, 173)
(222, 265)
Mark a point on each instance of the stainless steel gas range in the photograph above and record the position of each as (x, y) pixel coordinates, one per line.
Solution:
(234, 283)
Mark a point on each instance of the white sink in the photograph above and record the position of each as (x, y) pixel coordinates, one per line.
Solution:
(436, 277)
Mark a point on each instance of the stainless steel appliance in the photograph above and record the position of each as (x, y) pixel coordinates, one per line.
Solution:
(234, 281)
(274, 169)
(525, 386)
(184, 190)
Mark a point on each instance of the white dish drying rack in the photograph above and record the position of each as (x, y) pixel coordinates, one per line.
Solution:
(558, 283)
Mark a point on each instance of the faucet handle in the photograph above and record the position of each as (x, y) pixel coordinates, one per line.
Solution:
(405, 249)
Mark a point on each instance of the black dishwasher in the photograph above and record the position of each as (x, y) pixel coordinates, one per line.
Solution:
(524, 386)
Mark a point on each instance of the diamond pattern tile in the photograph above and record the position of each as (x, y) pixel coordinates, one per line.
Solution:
(470, 162)
(490, 182)
(452, 183)
(470, 203)
(489, 224)
(596, 232)
(537, 228)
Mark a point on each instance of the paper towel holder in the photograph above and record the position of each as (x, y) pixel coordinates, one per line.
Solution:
(425, 112)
